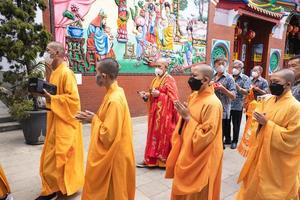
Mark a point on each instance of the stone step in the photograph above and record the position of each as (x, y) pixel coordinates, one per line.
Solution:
(6, 118)
(9, 126)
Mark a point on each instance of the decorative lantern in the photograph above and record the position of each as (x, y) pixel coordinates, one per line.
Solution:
(295, 30)
(289, 28)
(251, 34)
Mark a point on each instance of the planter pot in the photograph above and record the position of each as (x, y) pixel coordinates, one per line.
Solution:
(34, 127)
(75, 32)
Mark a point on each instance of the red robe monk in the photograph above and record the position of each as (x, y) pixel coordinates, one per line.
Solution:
(273, 162)
(61, 166)
(195, 161)
(162, 117)
(110, 168)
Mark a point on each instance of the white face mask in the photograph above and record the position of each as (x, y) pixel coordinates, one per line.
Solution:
(220, 69)
(235, 71)
(159, 72)
(47, 58)
(254, 74)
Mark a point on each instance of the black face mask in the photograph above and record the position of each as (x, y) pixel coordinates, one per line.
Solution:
(195, 84)
(276, 89)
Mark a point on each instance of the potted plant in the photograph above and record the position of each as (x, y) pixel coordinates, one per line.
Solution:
(23, 41)
(74, 29)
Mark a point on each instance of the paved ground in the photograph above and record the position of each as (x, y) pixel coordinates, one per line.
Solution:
(21, 164)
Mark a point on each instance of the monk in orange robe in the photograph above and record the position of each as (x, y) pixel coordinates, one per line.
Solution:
(4, 187)
(61, 167)
(162, 116)
(195, 161)
(272, 166)
(110, 168)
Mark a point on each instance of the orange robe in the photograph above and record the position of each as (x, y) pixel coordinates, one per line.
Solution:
(110, 168)
(162, 120)
(4, 187)
(272, 166)
(61, 166)
(249, 129)
(195, 161)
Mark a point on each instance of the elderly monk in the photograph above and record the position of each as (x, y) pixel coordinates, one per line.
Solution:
(4, 187)
(272, 166)
(61, 166)
(195, 161)
(162, 116)
(110, 168)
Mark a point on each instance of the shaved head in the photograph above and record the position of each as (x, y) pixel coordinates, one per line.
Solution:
(287, 74)
(205, 70)
(57, 47)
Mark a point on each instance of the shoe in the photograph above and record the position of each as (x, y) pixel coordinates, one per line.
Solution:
(49, 197)
(224, 146)
(226, 142)
(233, 145)
(141, 165)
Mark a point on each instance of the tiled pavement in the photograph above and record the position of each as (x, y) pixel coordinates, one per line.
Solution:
(21, 165)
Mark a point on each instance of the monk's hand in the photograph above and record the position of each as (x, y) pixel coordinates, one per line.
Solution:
(142, 94)
(155, 93)
(183, 110)
(260, 118)
(47, 95)
(85, 116)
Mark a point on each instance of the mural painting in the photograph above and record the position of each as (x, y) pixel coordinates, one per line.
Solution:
(136, 33)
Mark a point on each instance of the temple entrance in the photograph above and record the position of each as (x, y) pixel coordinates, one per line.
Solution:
(252, 41)
(292, 45)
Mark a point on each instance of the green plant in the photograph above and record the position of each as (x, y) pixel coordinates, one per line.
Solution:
(22, 40)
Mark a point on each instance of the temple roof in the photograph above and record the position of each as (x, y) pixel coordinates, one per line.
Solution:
(272, 8)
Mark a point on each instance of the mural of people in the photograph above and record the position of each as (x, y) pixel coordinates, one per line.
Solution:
(99, 37)
(156, 28)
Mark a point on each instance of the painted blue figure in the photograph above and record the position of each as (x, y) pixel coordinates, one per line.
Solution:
(188, 47)
(99, 38)
(140, 41)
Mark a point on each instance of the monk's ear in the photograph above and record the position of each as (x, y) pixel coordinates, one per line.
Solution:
(206, 80)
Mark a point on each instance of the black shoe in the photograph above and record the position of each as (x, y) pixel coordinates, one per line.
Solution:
(233, 145)
(226, 142)
(224, 146)
(141, 165)
(49, 197)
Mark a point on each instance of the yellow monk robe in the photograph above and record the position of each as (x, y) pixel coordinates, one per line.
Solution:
(271, 169)
(110, 170)
(195, 161)
(4, 187)
(62, 167)
(250, 127)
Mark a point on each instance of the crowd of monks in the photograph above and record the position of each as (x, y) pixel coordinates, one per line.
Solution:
(185, 138)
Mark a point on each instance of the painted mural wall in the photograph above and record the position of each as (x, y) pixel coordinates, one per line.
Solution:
(135, 32)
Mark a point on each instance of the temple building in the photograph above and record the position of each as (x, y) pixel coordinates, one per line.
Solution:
(184, 32)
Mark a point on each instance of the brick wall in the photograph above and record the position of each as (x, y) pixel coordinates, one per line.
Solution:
(220, 32)
(91, 95)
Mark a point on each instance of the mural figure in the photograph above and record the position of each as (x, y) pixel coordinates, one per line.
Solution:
(140, 42)
(188, 47)
(99, 37)
(151, 12)
(123, 16)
